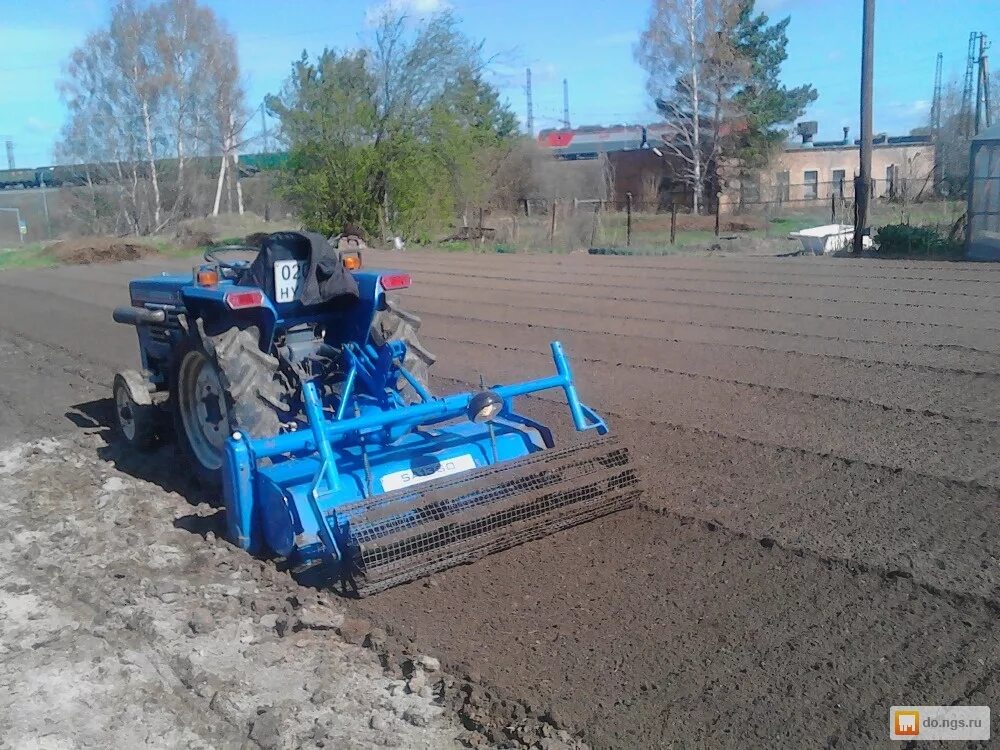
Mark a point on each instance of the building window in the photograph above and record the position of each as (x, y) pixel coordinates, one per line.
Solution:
(838, 182)
(890, 180)
(782, 183)
(749, 189)
(810, 190)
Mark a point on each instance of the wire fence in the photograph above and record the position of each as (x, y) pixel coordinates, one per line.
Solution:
(644, 219)
(773, 213)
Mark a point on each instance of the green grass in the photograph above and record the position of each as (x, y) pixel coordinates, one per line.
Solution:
(34, 255)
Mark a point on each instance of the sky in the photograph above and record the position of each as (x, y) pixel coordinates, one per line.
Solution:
(588, 42)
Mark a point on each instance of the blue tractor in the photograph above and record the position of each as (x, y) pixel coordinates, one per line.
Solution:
(296, 385)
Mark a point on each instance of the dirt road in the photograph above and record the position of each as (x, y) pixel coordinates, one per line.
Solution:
(820, 439)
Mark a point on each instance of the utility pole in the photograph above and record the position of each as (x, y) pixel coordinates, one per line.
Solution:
(531, 115)
(936, 120)
(566, 104)
(936, 101)
(982, 86)
(10, 154)
(862, 185)
(970, 66)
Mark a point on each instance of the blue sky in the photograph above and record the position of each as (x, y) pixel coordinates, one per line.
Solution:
(587, 41)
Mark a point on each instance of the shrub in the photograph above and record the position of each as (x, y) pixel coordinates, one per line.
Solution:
(906, 239)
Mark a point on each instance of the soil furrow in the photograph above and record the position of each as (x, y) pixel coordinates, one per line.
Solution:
(662, 327)
(568, 269)
(726, 266)
(791, 304)
(796, 392)
(632, 341)
(658, 312)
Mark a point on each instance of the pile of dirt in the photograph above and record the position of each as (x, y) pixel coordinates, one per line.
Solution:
(84, 250)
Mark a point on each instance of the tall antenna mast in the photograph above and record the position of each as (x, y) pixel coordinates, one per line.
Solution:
(566, 104)
(982, 86)
(936, 101)
(970, 66)
(531, 114)
(936, 119)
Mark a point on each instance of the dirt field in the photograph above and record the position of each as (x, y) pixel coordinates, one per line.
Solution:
(817, 541)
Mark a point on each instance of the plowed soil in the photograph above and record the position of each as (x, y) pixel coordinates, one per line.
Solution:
(818, 536)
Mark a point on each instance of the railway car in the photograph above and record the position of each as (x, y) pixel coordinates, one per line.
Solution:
(17, 178)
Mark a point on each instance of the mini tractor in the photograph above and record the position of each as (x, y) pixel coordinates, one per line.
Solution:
(296, 384)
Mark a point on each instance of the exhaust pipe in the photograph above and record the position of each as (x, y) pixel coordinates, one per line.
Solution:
(134, 316)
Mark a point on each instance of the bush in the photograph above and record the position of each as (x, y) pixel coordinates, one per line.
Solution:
(906, 239)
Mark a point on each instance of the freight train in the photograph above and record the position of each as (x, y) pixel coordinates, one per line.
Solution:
(78, 174)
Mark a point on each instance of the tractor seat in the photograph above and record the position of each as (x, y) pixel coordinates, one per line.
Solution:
(301, 267)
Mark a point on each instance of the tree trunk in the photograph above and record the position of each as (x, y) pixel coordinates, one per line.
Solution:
(150, 156)
(179, 202)
(239, 184)
(234, 151)
(218, 187)
(695, 106)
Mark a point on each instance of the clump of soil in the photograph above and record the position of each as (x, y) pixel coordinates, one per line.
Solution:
(191, 238)
(84, 250)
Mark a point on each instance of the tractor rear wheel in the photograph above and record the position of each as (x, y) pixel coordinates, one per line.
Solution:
(396, 324)
(222, 384)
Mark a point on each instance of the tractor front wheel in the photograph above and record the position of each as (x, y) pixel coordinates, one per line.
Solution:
(135, 414)
(222, 384)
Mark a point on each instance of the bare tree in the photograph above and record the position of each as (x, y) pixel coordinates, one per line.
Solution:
(686, 51)
(160, 82)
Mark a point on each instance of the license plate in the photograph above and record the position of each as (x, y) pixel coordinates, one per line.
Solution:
(288, 276)
(447, 466)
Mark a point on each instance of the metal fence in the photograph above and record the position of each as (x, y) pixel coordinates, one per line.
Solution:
(566, 223)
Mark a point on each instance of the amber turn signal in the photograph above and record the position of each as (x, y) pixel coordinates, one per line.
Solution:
(208, 277)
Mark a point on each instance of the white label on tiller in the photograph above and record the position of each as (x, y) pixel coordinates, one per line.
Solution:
(434, 470)
(288, 275)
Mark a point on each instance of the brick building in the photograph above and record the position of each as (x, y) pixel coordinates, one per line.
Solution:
(803, 174)
(806, 173)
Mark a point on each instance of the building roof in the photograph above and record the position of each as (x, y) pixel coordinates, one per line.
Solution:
(990, 134)
(879, 141)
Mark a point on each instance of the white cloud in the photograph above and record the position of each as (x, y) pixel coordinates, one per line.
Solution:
(415, 8)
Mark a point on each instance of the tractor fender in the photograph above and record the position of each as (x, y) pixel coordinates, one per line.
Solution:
(209, 306)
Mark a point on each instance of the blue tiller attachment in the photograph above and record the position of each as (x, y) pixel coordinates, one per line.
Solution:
(488, 486)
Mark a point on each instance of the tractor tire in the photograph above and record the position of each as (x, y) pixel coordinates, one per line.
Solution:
(396, 324)
(222, 384)
(136, 417)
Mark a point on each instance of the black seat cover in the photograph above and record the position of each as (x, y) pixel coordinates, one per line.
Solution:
(325, 279)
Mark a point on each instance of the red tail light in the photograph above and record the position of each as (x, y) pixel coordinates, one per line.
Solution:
(395, 281)
(240, 300)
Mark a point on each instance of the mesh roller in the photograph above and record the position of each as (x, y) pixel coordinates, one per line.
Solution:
(407, 534)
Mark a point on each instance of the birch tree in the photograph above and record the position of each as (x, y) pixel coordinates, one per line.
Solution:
(159, 82)
(687, 53)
